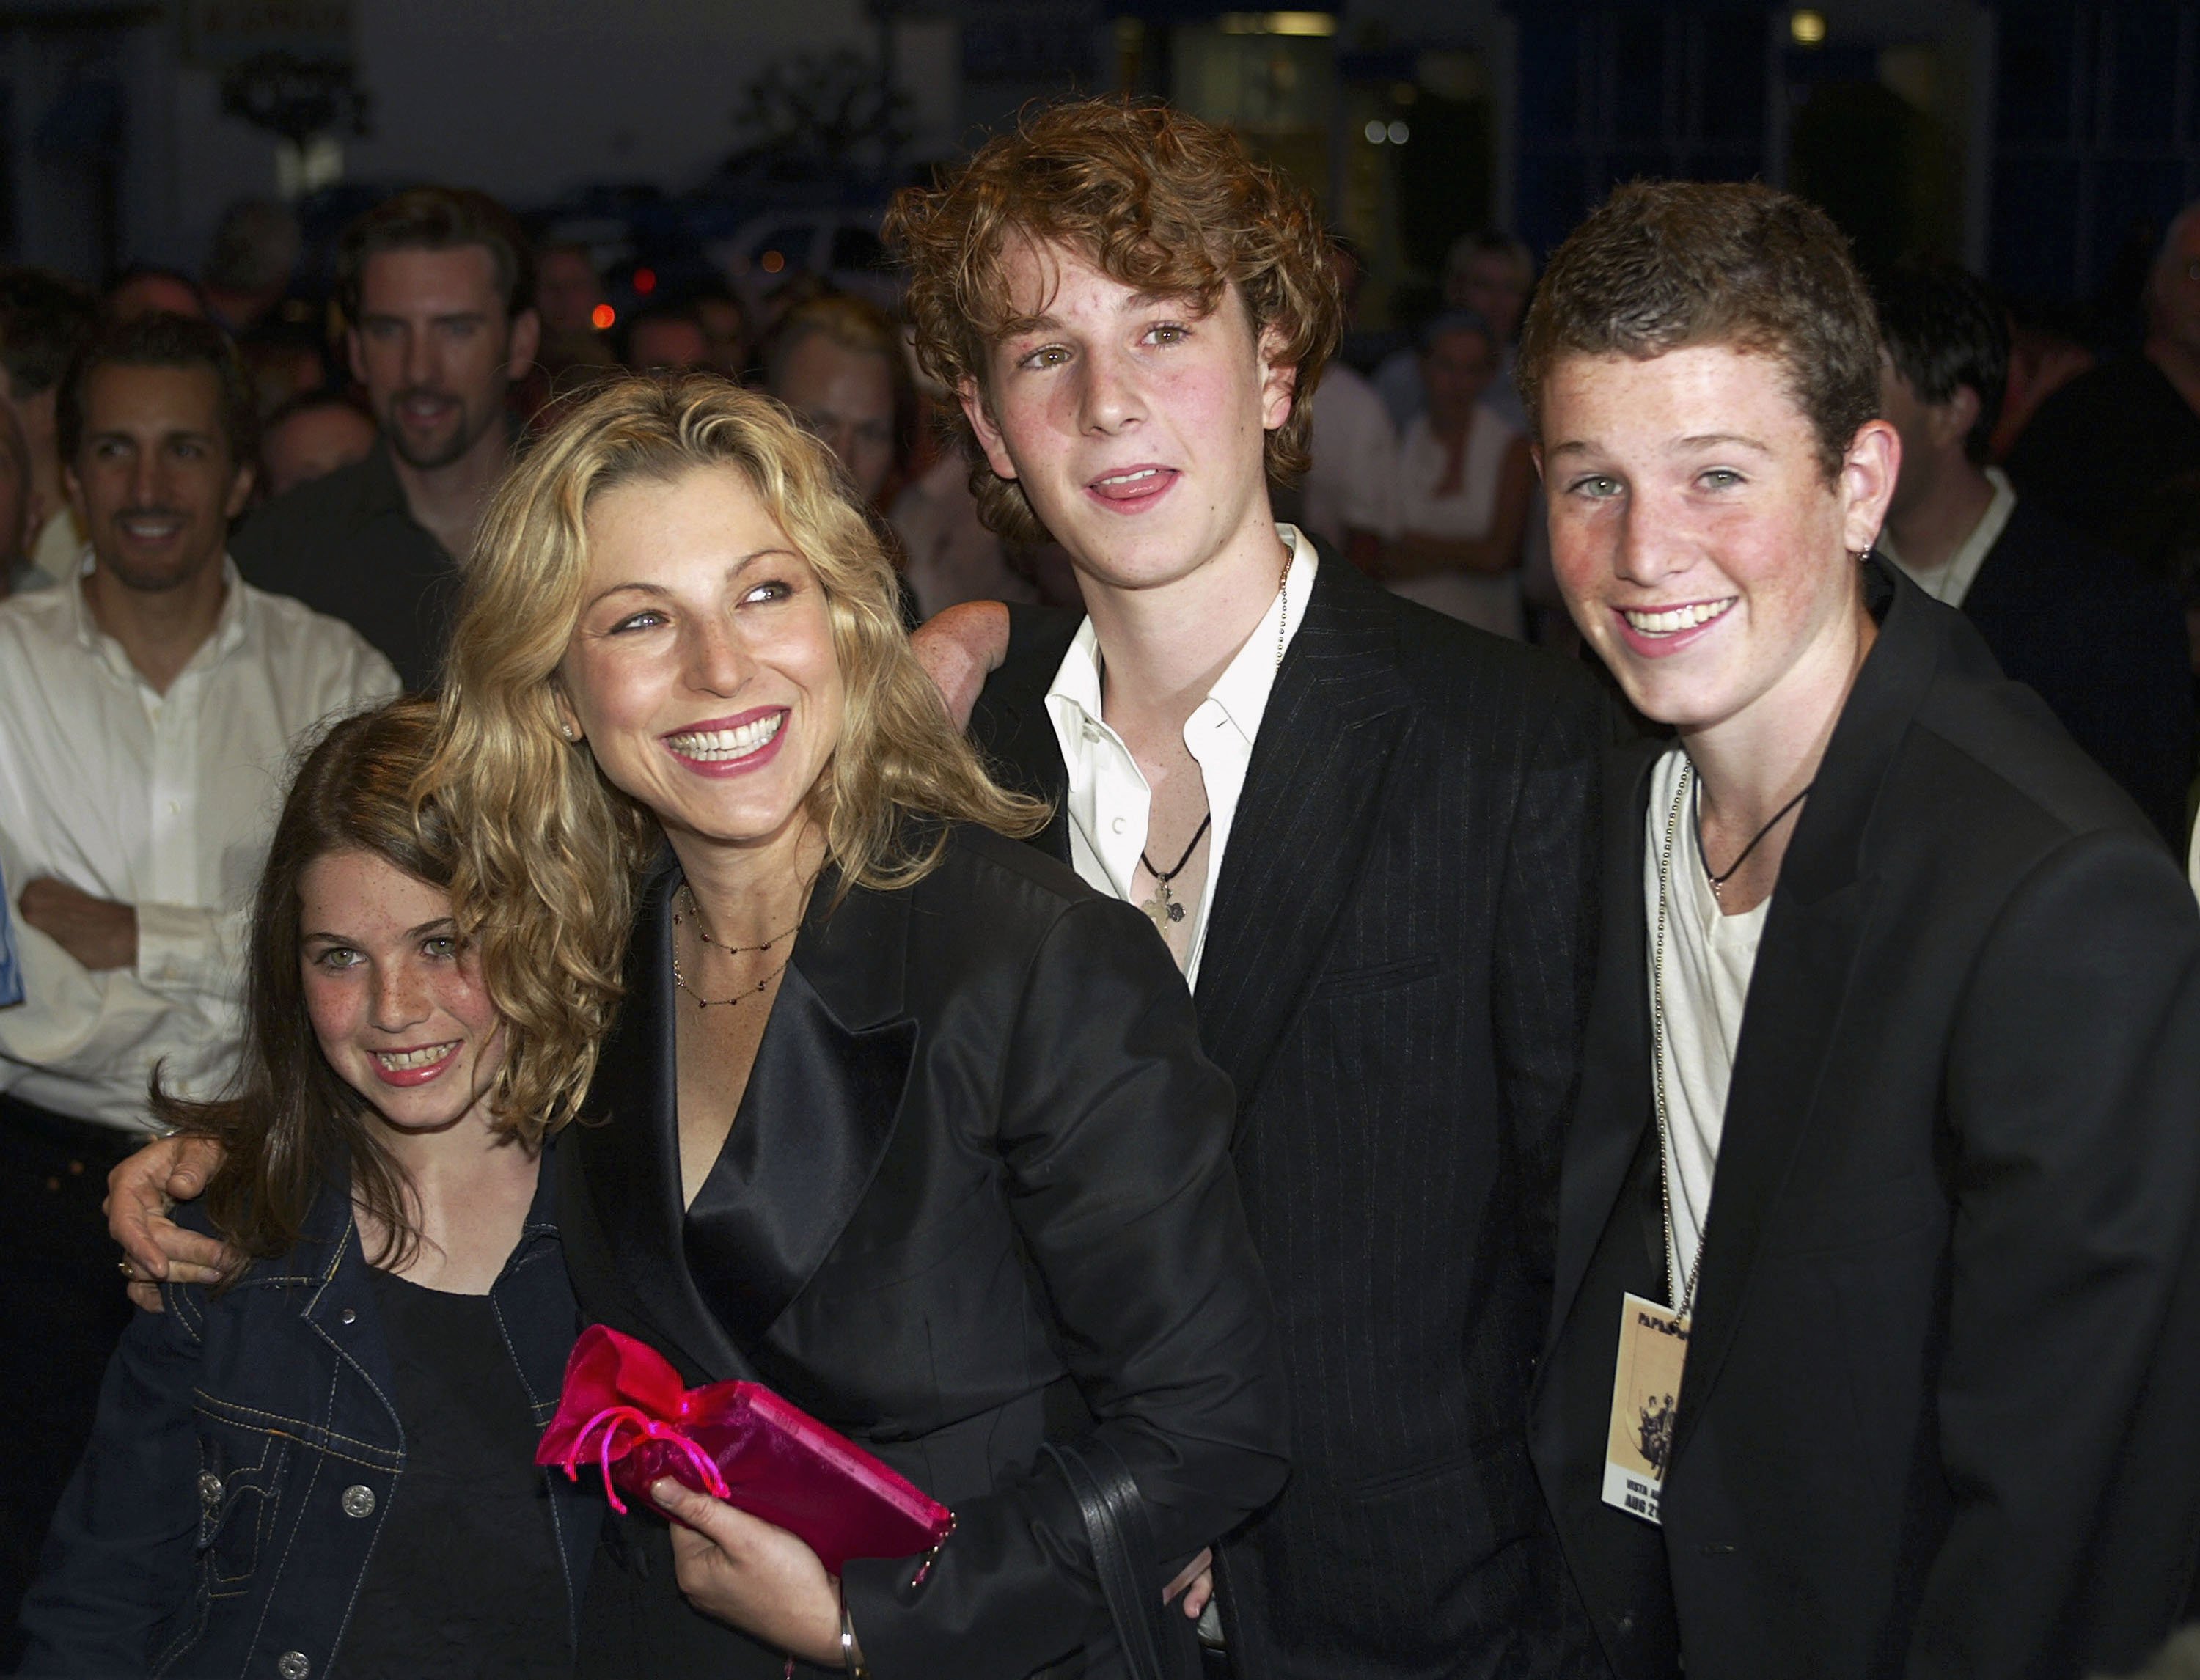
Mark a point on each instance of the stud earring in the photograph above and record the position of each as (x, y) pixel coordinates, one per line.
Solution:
(566, 730)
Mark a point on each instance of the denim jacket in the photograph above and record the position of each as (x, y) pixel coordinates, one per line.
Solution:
(243, 1460)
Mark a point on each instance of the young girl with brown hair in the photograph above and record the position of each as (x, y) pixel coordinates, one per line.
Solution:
(327, 1457)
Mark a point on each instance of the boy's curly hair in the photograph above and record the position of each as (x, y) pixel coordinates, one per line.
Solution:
(1157, 200)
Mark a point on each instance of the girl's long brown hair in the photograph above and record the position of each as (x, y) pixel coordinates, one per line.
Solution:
(290, 1124)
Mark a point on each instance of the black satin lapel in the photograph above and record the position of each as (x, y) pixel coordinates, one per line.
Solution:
(1789, 1025)
(629, 1152)
(1309, 809)
(1615, 1103)
(812, 1128)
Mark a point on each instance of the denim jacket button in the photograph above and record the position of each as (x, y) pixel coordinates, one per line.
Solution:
(293, 1665)
(209, 1489)
(358, 1502)
(348, 1317)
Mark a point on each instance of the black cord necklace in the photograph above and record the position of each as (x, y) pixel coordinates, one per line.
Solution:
(1162, 906)
(1696, 819)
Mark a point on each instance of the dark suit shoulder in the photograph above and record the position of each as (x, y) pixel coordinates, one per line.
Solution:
(979, 860)
(1448, 660)
(997, 906)
(1038, 640)
(338, 502)
(1461, 676)
(2042, 552)
(1990, 747)
(1020, 891)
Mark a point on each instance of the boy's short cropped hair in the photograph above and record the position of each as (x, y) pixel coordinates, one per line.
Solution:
(1663, 266)
(1152, 197)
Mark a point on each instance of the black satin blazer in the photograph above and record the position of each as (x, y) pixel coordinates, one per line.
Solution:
(979, 1185)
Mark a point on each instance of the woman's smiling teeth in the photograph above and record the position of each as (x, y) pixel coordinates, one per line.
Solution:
(407, 1061)
(1143, 472)
(717, 746)
(1669, 621)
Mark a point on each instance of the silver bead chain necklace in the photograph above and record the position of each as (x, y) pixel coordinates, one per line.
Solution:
(1686, 1295)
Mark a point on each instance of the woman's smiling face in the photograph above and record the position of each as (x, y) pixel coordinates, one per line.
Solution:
(702, 671)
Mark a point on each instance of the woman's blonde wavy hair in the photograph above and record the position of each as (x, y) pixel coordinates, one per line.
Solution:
(548, 851)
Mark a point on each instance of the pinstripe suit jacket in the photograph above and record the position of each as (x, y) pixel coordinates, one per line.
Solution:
(1394, 979)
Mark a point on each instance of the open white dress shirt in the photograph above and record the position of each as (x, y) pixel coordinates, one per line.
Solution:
(1109, 803)
(163, 802)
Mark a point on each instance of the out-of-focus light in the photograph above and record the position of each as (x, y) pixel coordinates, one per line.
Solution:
(1400, 134)
(771, 262)
(602, 316)
(1279, 23)
(1375, 133)
(1808, 28)
(645, 281)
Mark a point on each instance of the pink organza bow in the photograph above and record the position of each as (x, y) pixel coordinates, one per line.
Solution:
(612, 1418)
(625, 1409)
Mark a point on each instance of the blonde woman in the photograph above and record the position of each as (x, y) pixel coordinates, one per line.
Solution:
(896, 1115)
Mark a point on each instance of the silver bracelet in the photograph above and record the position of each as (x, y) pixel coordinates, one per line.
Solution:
(851, 1659)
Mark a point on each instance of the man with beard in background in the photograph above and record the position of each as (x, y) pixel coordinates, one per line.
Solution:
(435, 285)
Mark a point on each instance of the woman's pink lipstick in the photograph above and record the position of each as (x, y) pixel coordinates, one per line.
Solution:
(749, 740)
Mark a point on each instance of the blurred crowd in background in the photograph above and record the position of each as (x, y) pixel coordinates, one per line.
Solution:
(1422, 473)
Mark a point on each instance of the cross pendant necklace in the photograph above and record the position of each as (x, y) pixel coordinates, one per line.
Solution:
(1162, 905)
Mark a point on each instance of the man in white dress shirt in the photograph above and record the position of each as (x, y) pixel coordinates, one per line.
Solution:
(150, 706)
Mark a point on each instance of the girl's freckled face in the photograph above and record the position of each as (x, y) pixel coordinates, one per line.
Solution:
(397, 1003)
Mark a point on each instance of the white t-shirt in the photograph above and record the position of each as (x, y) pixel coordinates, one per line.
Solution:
(1708, 960)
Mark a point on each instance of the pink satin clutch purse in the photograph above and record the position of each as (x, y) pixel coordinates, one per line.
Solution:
(623, 1409)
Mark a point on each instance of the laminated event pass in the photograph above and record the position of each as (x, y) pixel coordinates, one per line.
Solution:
(1646, 1388)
